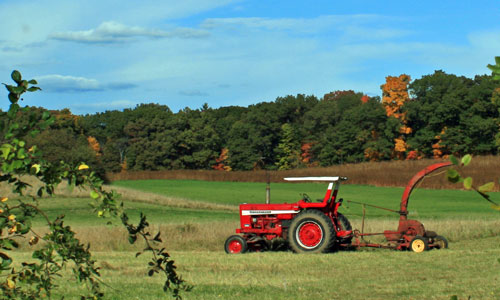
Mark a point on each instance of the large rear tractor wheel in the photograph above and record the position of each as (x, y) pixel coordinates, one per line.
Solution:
(345, 225)
(419, 244)
(235, 244)
(311, 231)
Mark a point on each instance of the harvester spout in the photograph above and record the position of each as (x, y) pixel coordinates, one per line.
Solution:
(413, 182)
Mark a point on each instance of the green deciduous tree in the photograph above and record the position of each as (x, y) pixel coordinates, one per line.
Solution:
(58, 247)
(455, 111)
(288, 149)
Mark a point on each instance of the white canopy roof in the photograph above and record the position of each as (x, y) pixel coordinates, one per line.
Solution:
(320, 178)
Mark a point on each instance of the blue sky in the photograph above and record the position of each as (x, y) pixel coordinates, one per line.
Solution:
(91, 56)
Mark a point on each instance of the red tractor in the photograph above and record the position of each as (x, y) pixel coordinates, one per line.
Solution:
(307, 226)
(316, 227)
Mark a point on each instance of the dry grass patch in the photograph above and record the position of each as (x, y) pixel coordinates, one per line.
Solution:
(211, 236)
(178, 237)
(63, 190)
(386, 173)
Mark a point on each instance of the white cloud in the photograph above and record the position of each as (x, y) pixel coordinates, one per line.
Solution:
(299, 24)
(117, 104)
(336, 29)
(112, 32)
(65, 84)
(193, 93)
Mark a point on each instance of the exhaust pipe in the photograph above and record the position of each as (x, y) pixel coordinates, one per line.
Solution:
(268, 188)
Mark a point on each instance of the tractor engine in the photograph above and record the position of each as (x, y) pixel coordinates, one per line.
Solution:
(266, 220)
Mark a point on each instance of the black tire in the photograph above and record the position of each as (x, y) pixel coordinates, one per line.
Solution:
(235, 244)
(311, 231)
(344, 224)
(441, 242)
(419, 244)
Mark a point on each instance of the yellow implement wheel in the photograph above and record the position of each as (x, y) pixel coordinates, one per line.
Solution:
(441, 242)
(419, 244)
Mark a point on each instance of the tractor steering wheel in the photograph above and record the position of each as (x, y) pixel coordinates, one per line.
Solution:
(306, 198)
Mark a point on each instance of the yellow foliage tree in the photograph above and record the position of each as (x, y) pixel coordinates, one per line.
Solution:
(394, 96)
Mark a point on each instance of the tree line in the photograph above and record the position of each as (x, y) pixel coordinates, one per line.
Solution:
(433, 116)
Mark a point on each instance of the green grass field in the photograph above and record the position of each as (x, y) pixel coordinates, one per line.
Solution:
(423, 202)
(465, 270)
(195, 237)
(78, 212)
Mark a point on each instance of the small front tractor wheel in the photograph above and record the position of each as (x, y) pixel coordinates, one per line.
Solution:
(311, 231)
(441, 242)
(235, 244)
(419, 244)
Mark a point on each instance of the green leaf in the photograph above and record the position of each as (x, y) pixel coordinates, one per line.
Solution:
(34, 89)
(487, 187)
(13, 98)
(466, 159)
(9, 244)
(32, 81)
(132, 238)
(16, 76)
(13, 109)
(16, 164)
(17, 89)
(495, 207)
(468, 183)
(454, 160)
(454, 297)
(493, 68)
(94, 194)
(5, 148)
(21, 154)
(453, 175)
(6, 262)
(24, 228)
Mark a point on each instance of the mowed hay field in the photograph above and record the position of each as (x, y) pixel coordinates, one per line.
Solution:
(196, 217)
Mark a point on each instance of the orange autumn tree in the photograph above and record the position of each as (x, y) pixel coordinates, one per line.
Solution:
(220, 162)
(437, 148)
(306, 154)
(365, 98)
(94, 144)
(394, 96)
